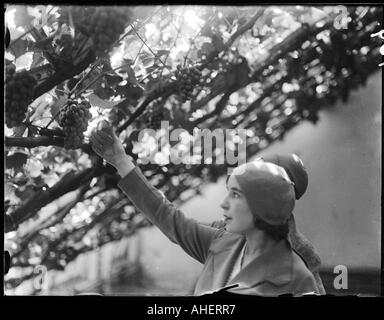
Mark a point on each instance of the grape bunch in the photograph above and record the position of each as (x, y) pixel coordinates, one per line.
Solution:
(105, 27)
(187, 79)
(155, 114)
(18, 94)
(104, 24)
(73, 118)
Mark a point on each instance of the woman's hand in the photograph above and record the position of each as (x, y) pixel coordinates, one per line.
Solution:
(107, 145)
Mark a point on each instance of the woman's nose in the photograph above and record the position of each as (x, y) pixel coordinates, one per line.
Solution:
(224, 205)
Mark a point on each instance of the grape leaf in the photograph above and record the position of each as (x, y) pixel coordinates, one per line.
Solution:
(207, 48)
(37, 59)
(34, 167)
(80, 56)
(92, 81)
(207, 31)
(179, 119)
(104, 93)
(16, 161)
(161, 53)
(217, 42)
(130, 92)
(19, 131)
(39, 105)
(24, 193)
(154, 85)
(131, 75)
(40, 14)
(147, 59)
(46, 170)
(15, 33)
(95, 101)
(21, 17)
(113, 80)
(19, 47)
(41, 73)
(129, 39)
(56, 105)
(24, 61)
(127, 69)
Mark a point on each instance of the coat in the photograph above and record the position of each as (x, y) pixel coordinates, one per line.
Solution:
(278, 271)
(301, 245)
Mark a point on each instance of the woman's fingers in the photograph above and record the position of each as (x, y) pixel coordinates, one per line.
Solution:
(97, 146)
(97, 149)
(105, 126)
(98, 137)
(105, 136)
(97, 142)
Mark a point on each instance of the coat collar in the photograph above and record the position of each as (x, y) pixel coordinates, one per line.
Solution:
(274, 266)
(224, 251)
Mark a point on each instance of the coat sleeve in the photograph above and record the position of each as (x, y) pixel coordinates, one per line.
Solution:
(194, 238)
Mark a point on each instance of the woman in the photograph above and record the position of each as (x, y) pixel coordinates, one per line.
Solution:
(252, 256)
(296, 171)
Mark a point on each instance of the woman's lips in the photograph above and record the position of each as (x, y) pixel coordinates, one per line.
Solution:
(226, 218)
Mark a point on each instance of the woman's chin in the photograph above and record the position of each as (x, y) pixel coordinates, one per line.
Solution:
(229, 229)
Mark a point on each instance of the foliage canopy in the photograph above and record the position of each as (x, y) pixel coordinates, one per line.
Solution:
(264, 69)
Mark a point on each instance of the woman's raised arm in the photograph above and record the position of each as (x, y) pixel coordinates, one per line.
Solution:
(193, 237)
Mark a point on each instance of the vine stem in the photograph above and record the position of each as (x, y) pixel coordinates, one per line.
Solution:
(99, 77)
(28, 31)
(137, 55)
(145, 43)
(84, 77)
(148, 74)
(171, 87)
(173, 46)
(82, 90)
(195, 37)
(55, 117)
(102, 57)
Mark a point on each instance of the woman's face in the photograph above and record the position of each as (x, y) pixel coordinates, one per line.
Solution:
(237, 215)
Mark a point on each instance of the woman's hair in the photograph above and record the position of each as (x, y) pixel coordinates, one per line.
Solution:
(277, 232)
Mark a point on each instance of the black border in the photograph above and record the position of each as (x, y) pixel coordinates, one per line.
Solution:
(246, 307)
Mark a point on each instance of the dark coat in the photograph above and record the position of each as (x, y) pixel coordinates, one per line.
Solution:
(278, 271)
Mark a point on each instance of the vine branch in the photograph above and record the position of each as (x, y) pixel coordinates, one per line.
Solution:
(30, 207)
(33, 142)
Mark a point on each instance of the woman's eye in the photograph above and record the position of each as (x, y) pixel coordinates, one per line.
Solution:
(235, 194)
